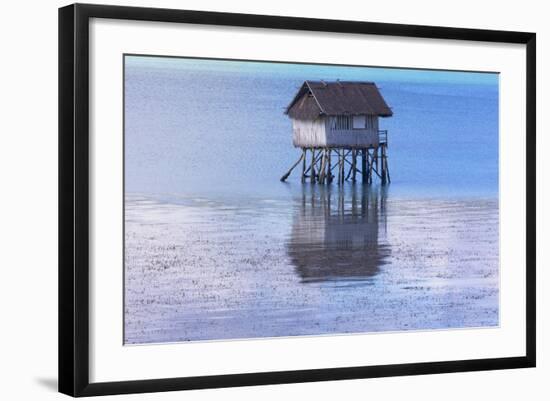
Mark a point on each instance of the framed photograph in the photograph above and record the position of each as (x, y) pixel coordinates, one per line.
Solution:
(250, 199)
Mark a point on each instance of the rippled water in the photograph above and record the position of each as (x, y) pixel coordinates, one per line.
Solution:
(321, 262)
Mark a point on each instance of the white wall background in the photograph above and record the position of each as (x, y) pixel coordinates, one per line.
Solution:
(28, 199)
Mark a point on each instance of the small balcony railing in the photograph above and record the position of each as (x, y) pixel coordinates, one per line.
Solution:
(383, 136)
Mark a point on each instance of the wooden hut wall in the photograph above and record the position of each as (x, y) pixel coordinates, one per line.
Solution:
(352, 137)
(309, 133)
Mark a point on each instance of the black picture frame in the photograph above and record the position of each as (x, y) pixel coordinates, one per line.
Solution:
(74, 198)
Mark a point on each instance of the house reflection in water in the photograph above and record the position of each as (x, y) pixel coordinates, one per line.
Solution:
(339, 234)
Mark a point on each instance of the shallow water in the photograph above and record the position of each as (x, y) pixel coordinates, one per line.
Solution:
(217, 248)
(219, 129)
(322, 262)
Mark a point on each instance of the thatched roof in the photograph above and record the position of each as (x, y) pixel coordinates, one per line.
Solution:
(337, 98)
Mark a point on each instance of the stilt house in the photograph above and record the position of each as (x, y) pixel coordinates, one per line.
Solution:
(340, 119)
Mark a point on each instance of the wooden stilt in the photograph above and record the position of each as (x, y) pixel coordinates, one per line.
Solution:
(340, 165)
(329, 167)
(304, 162)
(317, 158)
(386, 162)
(371, 163)
(343, 176)
(383, 165)
(353, 164)
(376, 161)
(323, 167)
(284, 177)
(319, 162)
(312, 174)
(350, 170)
(367, 174)
(364, 165)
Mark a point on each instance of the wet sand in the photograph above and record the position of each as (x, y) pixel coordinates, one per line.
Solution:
(320, 262)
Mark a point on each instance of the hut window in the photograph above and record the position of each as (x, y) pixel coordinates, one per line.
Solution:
(359, 122)
(342, 122)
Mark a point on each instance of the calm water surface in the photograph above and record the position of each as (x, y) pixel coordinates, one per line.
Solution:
(218, 248)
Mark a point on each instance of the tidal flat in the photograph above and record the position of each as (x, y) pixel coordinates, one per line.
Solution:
(319, 262)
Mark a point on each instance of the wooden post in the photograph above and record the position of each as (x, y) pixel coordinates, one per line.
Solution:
(329, 168)
(344, 166)
(304, 162)
(353, 164)
(371, 162)
(383, 164)
(312, 173)
(364, 164)
(350, 164)
(343, 177)
(284, 177)
(320, 161)
(340, 165)
(386, 168)
(376, 162)
(323, 167)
